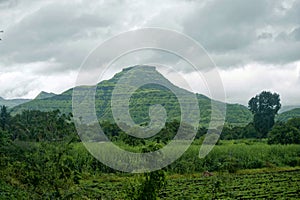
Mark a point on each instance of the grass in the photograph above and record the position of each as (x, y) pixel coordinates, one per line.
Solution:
(228, 155)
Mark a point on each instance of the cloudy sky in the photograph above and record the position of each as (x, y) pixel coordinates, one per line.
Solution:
(254, 44)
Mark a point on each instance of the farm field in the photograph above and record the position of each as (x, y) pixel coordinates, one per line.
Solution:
(258, 185)
(281, 183)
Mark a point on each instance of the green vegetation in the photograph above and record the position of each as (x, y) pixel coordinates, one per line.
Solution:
(285, 133)
(41, 158)
(12, 102)
(62, 170)
(252, 185)
(150, 185)
(285, 116)
(44, 95)
(264, 108)
(37, 126)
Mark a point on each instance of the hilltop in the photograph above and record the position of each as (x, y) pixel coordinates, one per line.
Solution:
(44, 95)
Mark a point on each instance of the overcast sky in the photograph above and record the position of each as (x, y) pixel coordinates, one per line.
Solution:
(255, 44)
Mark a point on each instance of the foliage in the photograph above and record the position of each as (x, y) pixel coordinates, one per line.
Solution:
(4, 125)
(115, 134)
(285, 133)
(42, 126)
(237, 132)
(148, 187)
(151, 184)
(264, 107)
(4, 118)
(45, 169)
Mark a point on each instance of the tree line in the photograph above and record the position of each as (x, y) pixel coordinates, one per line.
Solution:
(38, 126)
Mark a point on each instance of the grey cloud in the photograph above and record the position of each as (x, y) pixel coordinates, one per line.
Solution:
(8, 3)
(279, 53)
(265, 35)
(296, 34)
(292, 15)
(62, 32)
(232, 31)
(19, 88)
(225, 25)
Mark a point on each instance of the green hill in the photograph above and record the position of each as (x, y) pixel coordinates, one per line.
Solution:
(63, 102)
(44, 95)
(12, 102)
(288, 115)
(287, 108)
(145, 96)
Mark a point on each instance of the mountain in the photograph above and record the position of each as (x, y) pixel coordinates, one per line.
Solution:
(142, 98)
(44, 95)
(63, 102)
(12, 102)
(288, 115)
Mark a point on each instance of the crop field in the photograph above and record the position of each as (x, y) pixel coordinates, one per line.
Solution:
(270, 185)
(251, 184)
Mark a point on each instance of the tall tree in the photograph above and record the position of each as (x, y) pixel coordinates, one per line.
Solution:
(264, 108)
(4, 118)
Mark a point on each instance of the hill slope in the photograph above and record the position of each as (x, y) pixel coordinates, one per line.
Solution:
(288, 115)
(12, 102)
(140, 101)
(288, 108)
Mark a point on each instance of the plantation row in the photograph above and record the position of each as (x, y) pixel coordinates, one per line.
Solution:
(273, 185)
(260, 185)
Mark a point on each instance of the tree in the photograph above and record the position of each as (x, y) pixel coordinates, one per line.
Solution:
(35, 125)
(4, 118)
(264, 107)
(152, 183)
(284, 134)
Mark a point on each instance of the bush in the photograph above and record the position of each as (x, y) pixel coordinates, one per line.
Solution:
(284, 134)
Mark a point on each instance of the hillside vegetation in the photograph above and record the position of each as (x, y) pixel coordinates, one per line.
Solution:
(12, 102)
(285, 116)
